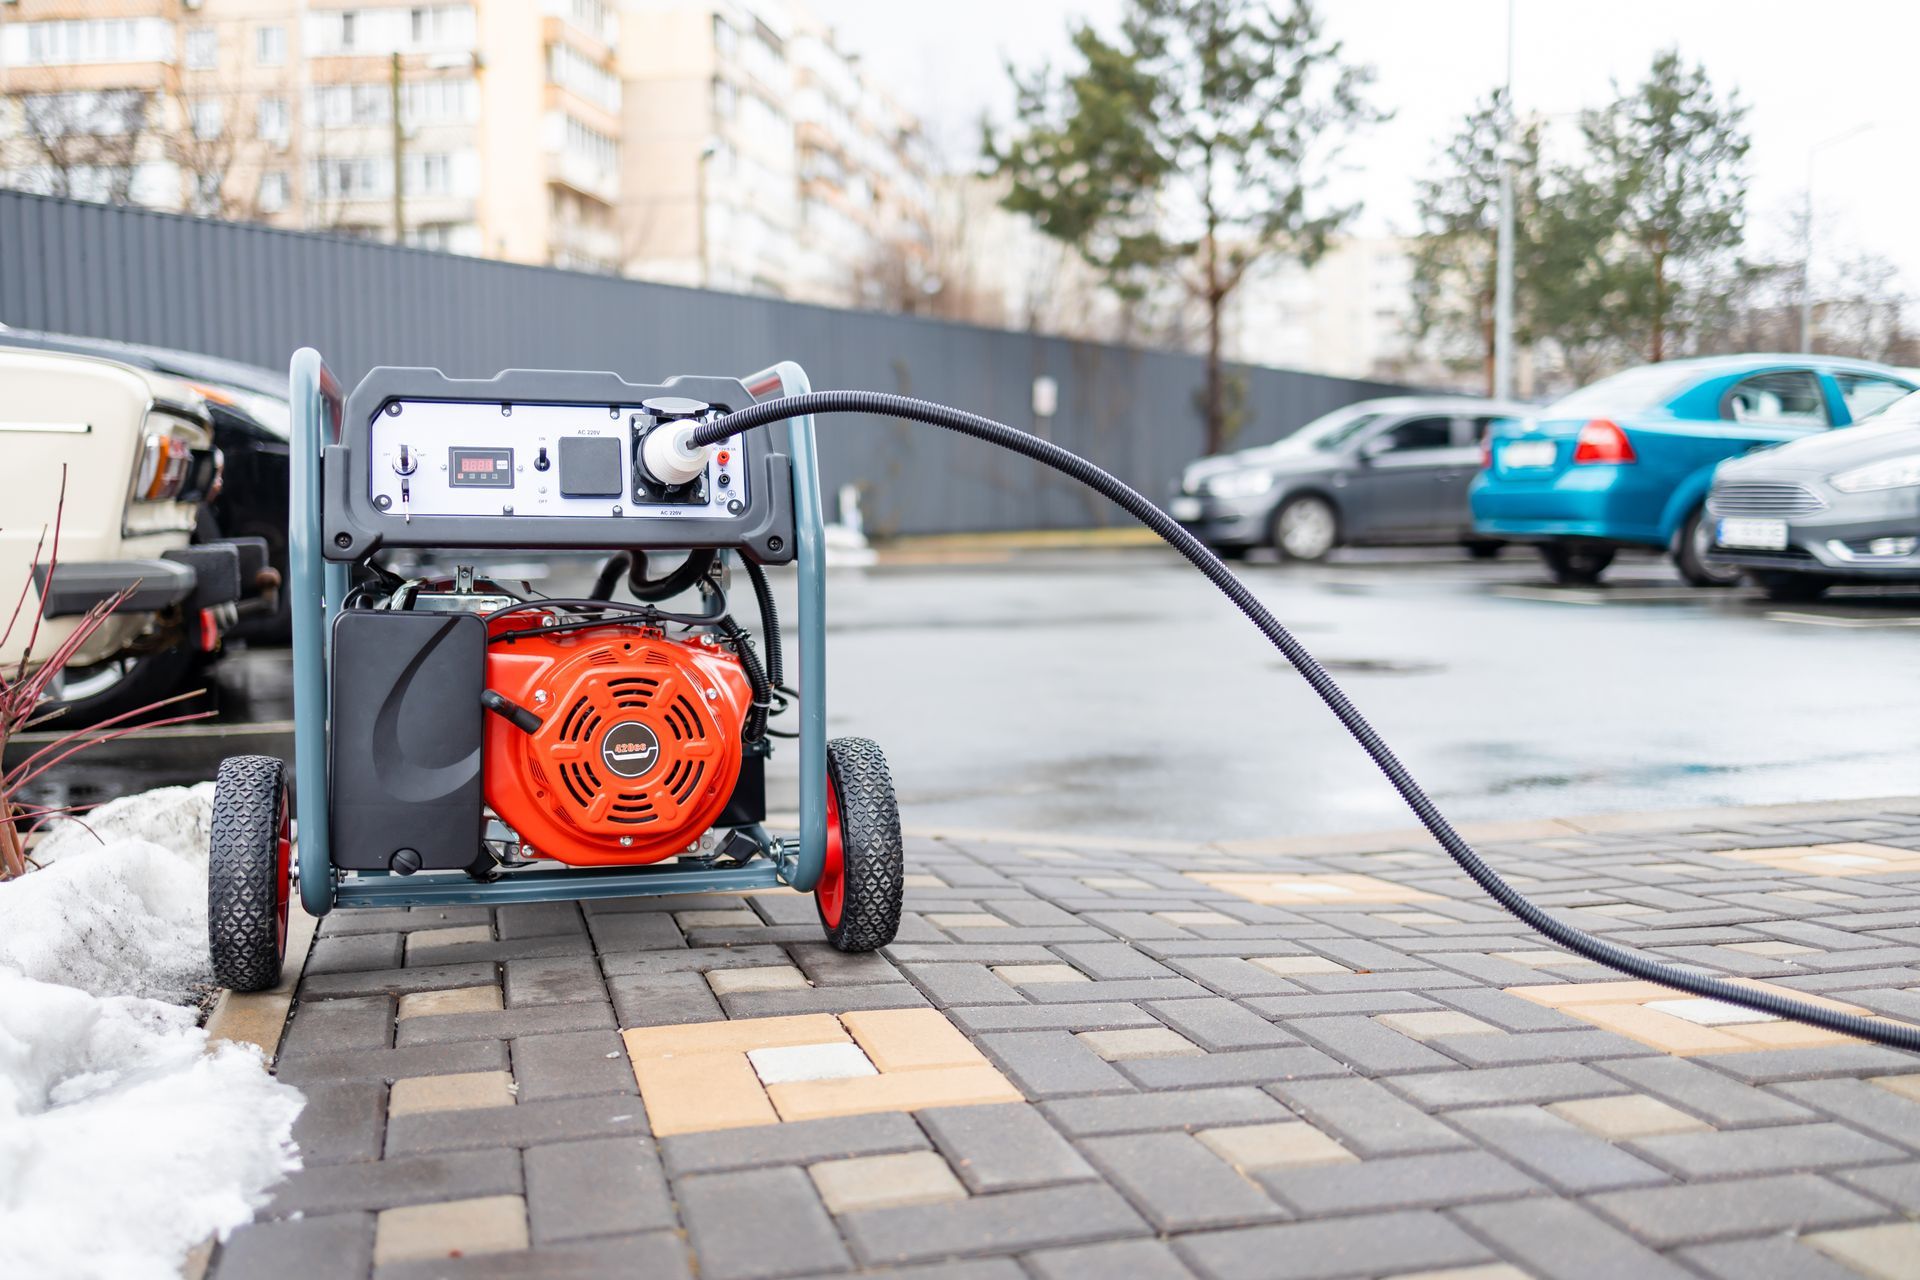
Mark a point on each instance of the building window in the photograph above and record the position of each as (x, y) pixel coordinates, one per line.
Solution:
(203, 49)
(347, 25)
(270, 46)
(273, 120)
(209, 118)
(62, 43)
(275, 191)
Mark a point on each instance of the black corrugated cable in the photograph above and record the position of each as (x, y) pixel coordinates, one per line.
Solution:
(1897, 1035)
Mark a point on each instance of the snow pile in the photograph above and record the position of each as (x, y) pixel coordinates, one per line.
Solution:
(120, 906)
(123, 1142)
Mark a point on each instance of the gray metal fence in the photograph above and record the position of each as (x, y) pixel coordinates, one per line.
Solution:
(255, 294)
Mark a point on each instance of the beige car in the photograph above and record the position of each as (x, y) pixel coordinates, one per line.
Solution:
(139, 460)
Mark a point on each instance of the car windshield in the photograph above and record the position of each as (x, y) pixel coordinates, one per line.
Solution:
(1641, 388)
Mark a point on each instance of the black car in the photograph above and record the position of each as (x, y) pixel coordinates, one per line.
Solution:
(252, 428)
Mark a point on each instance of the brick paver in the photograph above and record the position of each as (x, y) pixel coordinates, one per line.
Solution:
(1077, 1061)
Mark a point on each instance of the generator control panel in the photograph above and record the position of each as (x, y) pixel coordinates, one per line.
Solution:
(544, 459)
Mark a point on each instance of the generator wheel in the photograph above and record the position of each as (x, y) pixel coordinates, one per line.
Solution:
(249, 873)
(861, 885)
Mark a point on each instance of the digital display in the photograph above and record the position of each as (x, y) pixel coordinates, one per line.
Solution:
(473, 468)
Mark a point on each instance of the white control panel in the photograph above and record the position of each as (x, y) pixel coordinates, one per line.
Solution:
(470, 458)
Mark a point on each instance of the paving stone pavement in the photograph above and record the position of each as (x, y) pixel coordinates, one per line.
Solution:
(1079, 1061)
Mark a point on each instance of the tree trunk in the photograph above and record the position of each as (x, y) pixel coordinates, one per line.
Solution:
(1216, 381)
(1659, 304)
(1489, 357)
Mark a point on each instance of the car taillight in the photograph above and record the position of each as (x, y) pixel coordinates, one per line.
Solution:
(1486, 452)
(1602, 441)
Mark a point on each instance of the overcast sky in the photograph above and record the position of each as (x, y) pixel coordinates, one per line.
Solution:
(1807, 71)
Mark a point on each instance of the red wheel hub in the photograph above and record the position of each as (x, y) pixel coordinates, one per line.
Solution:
(283, 874)
(832, 889)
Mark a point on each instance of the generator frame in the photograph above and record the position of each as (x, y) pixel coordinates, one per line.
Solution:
(319, 588)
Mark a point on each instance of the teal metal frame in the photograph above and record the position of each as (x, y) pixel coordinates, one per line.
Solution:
(318, 587)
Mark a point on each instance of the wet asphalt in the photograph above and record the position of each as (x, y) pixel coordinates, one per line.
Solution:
(1115, 692)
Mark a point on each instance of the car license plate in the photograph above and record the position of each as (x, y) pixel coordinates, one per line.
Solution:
(1184, 508)
(1757, 535)
(1527, 453)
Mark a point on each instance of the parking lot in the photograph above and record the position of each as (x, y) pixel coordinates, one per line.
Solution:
(1112, 692)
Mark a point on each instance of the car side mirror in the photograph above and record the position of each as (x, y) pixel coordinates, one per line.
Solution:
(1374, 448)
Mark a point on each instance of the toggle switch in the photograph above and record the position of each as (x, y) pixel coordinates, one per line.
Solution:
(541, 462)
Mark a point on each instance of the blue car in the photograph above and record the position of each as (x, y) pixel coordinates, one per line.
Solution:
(1628, 460)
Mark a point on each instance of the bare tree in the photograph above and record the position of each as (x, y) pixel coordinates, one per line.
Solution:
(84, 144)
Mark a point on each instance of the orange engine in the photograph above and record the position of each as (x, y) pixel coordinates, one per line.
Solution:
(638, 748)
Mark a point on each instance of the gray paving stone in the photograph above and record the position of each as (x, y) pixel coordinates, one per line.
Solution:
(570, 1065)
(554, 980)
(943, 952)
(1488, 1086)
(338, 1026)
(1051, 1064)
(341, 1122)
(1878, 1111)
(663, 999)
(785, 1003)
(658, 1255)
(1367, 1046)
(802, 1142)
(539, 920)
(1668, 1216)
(1109, 961)
(1057, 1017)
(1374, 1245)
(393, 1064)
(635, 931)
(1177, 1184)
(958, 984)
(1399, 1182)
(971, 1269)
(759, 1224)
(1552, 1149)
(385, 1184)
(1774, 1258)
(1359, 954)
(1184, 1109)
(332, 1247)
(691, 960)
(826, 967)
(1725, 1103)
(601, 1187)
(1897, 1184)
(1245, 1066)
(1216, 1024)
(502, 1024)
(1012, 1222)
(1007, 1147)
(510, 949)
(1526, 1048)
(1746, 1152)
(346, 953)
(1286, 1008)
(396, 982)
(1366, 1118)
(1158, 989)
(1132, 1259)
(1561, 1241)
(1776, 1065)
(524, 1125)
(1233, 976)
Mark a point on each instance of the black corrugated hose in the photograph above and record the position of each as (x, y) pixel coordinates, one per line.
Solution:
(1898, 1035)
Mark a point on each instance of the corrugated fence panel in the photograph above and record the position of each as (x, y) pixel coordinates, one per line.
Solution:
(255, 294)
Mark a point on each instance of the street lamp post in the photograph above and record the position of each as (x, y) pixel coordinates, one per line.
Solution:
(1806, 257)
(1503, 265)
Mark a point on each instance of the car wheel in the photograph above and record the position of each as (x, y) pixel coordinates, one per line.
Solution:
(1484, 550)
(84, 696)
(1306, 528)
(1231, 553)
(1573, 565)
(1791, 588)
(1690, 554)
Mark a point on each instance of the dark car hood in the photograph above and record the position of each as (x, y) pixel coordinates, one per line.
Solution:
(1830, 451)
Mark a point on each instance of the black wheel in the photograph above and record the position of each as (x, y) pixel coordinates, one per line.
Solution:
(860, 889)
(1574, 565)
(1690, 554)
(249, 873)
(1791, 588)
(1231, 554)
(1306, 528)
(85, 696)
(1484, 550)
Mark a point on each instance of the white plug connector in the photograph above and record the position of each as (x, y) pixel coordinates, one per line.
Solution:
(669, 456)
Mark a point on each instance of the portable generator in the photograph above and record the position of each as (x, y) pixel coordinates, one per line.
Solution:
(461, 739)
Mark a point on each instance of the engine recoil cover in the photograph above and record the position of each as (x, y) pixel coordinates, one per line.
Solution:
(638, 748)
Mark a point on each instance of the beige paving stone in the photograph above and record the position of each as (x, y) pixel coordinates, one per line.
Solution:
(1890, 1252)
(965, 920)
(1286, 966)
(1420, 919)
(427, 1004)
(464, 1091)
(1052, 855)
(1543, 959)
(422, 940)
(1905, 1086)
(884, 1182)
(1667, 1034)
(737, 1034)
(1684, 1025)
(1491, 1271)
(1771, 947)
(1633, 1115)
(457, 1228)
(1270, 1146)
(773, 977)
(896, 1091)
(911, 1039)
(1139, 1042)
(723, 918)
(1850, 858)
(1201, 919)
(1114, 882)
(921, 880)
(1440, 1022)
(1021, 975)
(694, 1092)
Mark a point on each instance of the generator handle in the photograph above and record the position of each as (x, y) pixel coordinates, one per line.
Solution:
(317, 589)
(810, 559)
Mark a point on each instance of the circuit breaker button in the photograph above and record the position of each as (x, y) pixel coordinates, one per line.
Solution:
(592, 467)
